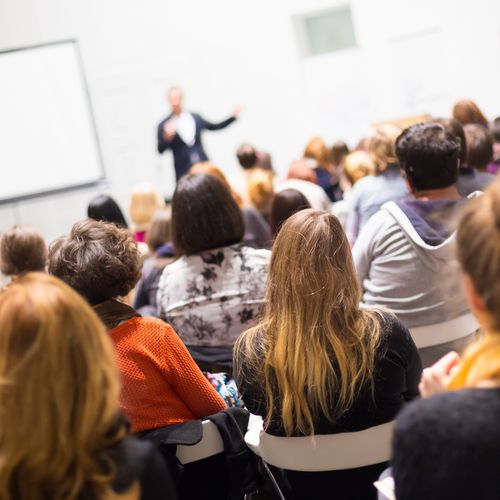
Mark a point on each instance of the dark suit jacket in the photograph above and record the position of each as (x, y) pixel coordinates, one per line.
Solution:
(184, 155)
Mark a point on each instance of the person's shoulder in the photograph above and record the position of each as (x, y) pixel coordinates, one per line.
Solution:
(259, 254)
(393, 332)
(159, 327)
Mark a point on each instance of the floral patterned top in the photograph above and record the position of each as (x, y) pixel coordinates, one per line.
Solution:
(212, 297)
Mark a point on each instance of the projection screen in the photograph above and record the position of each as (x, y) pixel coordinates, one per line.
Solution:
(48, 140)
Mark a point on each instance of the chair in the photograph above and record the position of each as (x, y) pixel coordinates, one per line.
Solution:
(211, 444)
(320, 453)
(442, 333)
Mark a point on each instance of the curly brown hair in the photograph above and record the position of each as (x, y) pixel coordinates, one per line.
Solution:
(98, 259)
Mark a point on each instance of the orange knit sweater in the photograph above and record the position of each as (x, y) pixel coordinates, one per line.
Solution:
(161, 383)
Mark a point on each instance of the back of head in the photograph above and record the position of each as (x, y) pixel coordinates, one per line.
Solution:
(479, 146)
(22, 249)
(357, 165)
(339, 151)
(160, 231)
(59, 393)
(104, 208)
(428, 154)
(381, 143)
(316, 150)
(319, 347)
(261, 189)
(144, 201)
(97, 259)
(285, 204)
(207, 167)
(454, 127)
(467, 111)
(204, 215)
(247, 156)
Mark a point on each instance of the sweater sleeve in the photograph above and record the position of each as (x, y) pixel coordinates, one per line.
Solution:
(187, 380)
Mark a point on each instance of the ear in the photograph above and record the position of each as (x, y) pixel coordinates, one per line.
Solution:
(475, 301)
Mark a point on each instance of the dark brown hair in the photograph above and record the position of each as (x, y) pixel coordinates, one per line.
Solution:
(22, 249)
(454, 127)
(479, 146)
(247, 156)
(160, 231)
(98, 259)
(204, 215)
(285, 204)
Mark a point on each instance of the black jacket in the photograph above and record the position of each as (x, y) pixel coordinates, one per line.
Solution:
(184, 155)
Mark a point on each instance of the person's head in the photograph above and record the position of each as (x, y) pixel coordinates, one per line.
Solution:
(478, 249)
(495, 130)
(98, 259)
(455, 128)
(59, 393)
(264, 160)
(317, 150)
(315, 338)
(381, 145)
(174, 97)
(247, 156)
(357, 165)
(338, 152)
(104, 208)
(285, 204)
(479, 146)
(144, 202)
(428, 155)
(467, 111)
(261, 189)
(300, 170)
(207, 167)
(204, 215)
(160, 231)
(22, 249)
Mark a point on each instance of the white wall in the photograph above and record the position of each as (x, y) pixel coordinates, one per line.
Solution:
(412, 57)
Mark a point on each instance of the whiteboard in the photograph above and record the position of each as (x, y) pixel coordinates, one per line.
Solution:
(48, 140)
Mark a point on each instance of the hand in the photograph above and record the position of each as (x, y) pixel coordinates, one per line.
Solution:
(169, 130)
(435, 378)
(237, 111)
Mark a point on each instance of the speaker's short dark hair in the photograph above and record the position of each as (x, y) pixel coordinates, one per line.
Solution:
(428, 154)
(204, 215)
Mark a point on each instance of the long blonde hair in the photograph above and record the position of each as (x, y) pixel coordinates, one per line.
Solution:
(315, 339)
(478, 244)
(58, 394)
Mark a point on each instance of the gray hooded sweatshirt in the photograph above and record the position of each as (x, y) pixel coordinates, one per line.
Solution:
(405, 261)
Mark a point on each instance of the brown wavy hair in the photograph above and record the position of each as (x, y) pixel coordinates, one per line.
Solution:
(467, 111)
(59, 388)
(315, 340)
(98, 259)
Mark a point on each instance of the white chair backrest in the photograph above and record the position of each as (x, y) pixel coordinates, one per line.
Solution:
(211, 444)
(326, 452)
(441, 333)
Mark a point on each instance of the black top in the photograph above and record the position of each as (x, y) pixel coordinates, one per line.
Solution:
(397, 374)
(184, 155)
(140, 461)
(448, 447)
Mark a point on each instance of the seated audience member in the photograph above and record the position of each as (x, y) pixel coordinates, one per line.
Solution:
(62, 434)
(355, 166)
(319, 159)
(467, 111)
(302, 178)
(371, 192)
(448, 446)
(22, 249)
(405, 256)
(495, 133)
(261, 190)
(247, 156)
(161, 383)
(479, 146)
(104, 208)
(285, 204)
(257, 230)
(318, 364)
(338, 152)
(215, 289)
(159, 241)
(144, 202)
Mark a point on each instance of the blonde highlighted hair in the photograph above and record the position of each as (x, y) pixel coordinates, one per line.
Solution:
(58, 394)
(478, 244)
(316, 342)
(260, 189)
(357, 165)
(144, 202)
(381, 145)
